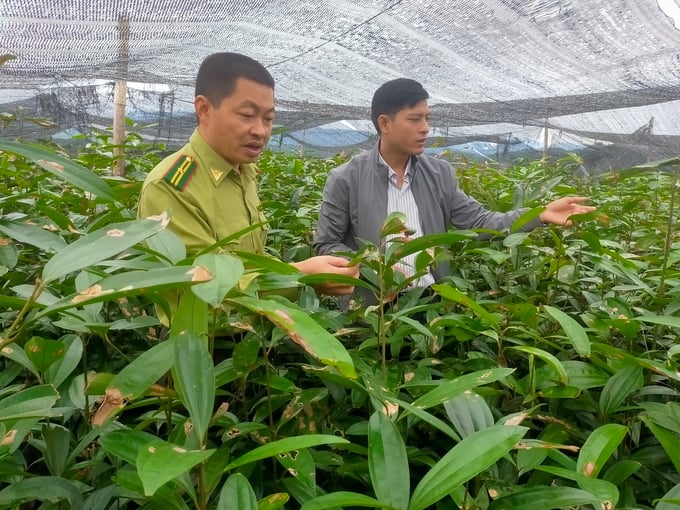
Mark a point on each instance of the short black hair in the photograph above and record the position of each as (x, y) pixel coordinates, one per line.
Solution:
(394, 96)
(218, 73)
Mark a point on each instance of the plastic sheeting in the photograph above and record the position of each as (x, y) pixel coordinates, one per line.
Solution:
(606, 70)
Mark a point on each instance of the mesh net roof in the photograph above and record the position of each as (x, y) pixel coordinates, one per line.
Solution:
(601, 75)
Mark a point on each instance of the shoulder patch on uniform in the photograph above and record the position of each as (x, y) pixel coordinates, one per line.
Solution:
(180, 172)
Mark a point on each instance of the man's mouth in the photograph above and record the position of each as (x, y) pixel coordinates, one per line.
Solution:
(254, 148)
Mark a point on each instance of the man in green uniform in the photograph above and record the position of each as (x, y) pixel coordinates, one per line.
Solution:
(210, 184)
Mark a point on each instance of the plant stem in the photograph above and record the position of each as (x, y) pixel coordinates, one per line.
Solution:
(15, 328)
(202, 493)
(669, 235)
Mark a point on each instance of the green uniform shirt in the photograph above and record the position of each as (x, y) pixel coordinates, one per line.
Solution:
(207, 198)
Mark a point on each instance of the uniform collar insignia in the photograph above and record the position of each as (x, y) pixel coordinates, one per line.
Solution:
(217, 174)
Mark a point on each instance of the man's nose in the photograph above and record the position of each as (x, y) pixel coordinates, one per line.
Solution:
(259, 127)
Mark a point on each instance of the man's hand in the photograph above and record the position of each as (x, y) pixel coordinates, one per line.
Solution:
(333, 265)
(558, 212)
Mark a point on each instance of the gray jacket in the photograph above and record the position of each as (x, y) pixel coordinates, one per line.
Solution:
(354, 204)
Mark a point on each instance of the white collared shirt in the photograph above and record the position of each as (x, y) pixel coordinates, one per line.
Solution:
(402, 200)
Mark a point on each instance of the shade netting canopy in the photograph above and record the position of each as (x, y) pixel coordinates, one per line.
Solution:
(503, 75)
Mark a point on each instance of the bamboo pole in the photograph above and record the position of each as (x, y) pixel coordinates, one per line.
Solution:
(120, 96)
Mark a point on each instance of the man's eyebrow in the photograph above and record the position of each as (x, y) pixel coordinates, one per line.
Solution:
(252, 104)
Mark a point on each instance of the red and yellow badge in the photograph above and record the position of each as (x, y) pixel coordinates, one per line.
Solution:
(180, 172)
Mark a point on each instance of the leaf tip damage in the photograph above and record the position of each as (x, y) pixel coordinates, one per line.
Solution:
(200, 274)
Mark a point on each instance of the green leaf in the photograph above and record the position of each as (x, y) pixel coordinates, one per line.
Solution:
(667, 439)
(33, 235)
(18, 355)
(663, 320)
(303, 330)
(395, 223)
(101, 245)
(469, 413)
(450, 388)
(341, 499)
(620, 471)
(273, 501)
(600, 445)
(237, 494)
(526, 217)
(605, 491)
(584, 375)
(667, 415)
(300, 464)
(453, 294)
(670, 500)
(284, 445)
(621, 355)
(551, 360)
(267, 263)
(194, 376)
(166, 498)
(168, 245)
(34, 402)
(489, 253)
(130, 283)
(653, 166)
(41, 488)
(137, 377)
(159, 462)
(388, 462)
(426, 417)
(226, 272)
(574, 331)
(126, 444)
(467, 459)
(191, 315)
(424, 242)
(43, 352)
(516, 239)
(57, 446)
(62, 168)
(544, 497)
(624, 382)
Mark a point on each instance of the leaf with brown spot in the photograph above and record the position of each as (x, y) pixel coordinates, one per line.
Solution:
(113, 402)
(200, 274)
(90, 292)
(599, 447)
(589, 469)
(8, 438)
(44, 352)
(52, 164)
(303, 330)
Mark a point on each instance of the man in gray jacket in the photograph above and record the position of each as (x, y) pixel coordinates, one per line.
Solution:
(396, 176)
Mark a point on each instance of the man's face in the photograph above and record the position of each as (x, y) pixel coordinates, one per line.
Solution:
(407, 131)
(240, 126)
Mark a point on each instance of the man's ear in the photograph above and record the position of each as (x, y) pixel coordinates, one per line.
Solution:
(384, 123)
(202, 107)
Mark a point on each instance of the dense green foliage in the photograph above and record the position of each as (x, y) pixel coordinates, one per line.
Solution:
(546, 376)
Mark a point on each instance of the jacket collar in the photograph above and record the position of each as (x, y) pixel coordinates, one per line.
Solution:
(383, 169)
